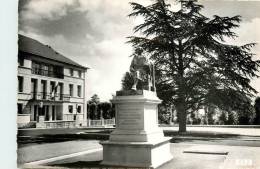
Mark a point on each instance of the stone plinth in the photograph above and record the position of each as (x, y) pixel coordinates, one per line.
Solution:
(137, 140)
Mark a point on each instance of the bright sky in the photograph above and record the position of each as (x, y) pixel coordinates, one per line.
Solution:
(93, 33)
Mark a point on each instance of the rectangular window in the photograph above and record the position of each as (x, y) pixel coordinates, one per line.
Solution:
(20, 108)
(58, 72)
(52, 88)
(44, 70)
(47, 70)
(47, 113)
(79, 109)
(79, 73)
(51, 71)
(71, 72)
(60, 90)
(71, 89)
(20, 61)
(53, 113)
(79, 91)
(70, 109)
(36, 68)
(34, 88)
(20, 84)
(43, 89)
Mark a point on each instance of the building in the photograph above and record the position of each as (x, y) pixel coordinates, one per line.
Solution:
(51, 87)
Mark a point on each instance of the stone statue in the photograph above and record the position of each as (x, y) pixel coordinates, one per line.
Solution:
(143, 74)
(136, 123)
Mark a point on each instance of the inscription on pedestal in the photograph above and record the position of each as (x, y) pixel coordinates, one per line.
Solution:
(129, 118)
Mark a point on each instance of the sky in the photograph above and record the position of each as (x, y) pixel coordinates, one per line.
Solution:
(94, 33)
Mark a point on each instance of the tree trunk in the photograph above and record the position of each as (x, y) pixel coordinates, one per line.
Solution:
(182, 117)
(181, 84)
(182, 114)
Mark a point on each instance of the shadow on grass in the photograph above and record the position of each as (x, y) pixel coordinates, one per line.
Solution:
(90, 164)
(171, 133)
(25, 137)
(79, 164)
(177, 137)
(50, 138)
(205, 137)
(53, 131)
(202, 136)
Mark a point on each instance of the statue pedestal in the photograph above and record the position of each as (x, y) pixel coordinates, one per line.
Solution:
(137, 140)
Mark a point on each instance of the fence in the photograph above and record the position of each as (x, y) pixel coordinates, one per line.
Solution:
(61, 124)
(102, 122)
(72, 123)
(56, 124)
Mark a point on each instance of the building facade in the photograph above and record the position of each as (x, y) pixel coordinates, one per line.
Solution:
(51, 87)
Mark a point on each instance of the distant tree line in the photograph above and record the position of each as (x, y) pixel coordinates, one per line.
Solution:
(97, 110)
(213, 116)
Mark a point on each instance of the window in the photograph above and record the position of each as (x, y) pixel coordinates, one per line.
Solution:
(51, 71)
(58, 71)
(79, 91)
(20, 84)
(52, 87)
(79, 109)
(71, 72)
(43, 89)
(53, 113)
(47, 113)
(71, 89)
(79, 73)
(34, 88)
(20, 61)
(20, 108)
(45, 70)
(36, 68)
(70, 108)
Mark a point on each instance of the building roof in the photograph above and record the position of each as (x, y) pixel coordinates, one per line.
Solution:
(29, 45)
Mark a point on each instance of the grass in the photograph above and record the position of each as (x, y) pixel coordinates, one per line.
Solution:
(103, 134)
(171, 133)
(25, 138)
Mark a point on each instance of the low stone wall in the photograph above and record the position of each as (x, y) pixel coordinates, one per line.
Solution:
(56, 124)
(23, 120)
(101, 123)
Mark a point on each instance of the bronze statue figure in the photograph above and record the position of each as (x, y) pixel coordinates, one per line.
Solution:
(143, 74)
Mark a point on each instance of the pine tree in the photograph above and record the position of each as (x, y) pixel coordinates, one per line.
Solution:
(257, 111)
(194, 65)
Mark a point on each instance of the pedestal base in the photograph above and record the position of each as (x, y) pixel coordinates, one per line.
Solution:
(135, 135)
(137, 154)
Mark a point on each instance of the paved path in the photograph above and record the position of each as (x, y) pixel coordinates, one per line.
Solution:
(202, 157)
(192, 161)
(62, 157)
(50, 150)
(205, 157)
(242, 158)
